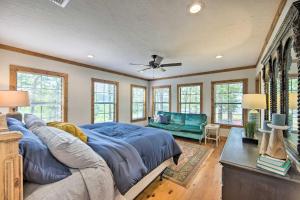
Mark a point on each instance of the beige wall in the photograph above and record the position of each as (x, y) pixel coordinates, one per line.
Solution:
(79, 84)
(206, 80)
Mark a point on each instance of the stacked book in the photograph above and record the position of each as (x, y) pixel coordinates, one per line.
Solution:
(274, 165)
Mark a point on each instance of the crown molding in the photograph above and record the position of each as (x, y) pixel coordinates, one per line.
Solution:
(62, 60)
(207, 72)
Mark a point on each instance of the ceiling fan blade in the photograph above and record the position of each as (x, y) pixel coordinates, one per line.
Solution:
(171, 65)
(139, 65)
(158, 60)
(161, 69)
(144, 69)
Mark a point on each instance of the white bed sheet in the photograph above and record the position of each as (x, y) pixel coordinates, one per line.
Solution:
(70, 188)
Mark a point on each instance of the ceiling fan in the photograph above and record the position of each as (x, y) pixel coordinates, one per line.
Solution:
(156, 64)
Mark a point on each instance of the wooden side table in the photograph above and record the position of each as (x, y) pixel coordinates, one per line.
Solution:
(212, 128)
(11, 170)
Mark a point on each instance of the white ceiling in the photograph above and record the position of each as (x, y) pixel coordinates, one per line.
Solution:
(118, 32)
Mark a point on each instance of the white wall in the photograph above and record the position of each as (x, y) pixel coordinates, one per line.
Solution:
(206, 80)
(79, 111)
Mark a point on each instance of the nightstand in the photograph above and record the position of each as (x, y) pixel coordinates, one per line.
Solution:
(212, 132)
(11, 170)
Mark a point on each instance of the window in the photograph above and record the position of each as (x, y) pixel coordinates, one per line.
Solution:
(227, 102)
(161, 97)
(293, 114)
(47, 92)
(189, 98)
(104, 101)
(138, 103)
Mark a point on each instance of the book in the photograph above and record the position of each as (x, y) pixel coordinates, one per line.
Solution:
(272, 161)
(282, 168)
(273, 170)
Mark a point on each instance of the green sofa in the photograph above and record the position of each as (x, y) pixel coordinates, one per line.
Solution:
(182, 124)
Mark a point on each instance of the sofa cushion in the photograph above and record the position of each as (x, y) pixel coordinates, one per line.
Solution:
(191, 128)
(173, 127)
(193, 120)
(177, 118)
(157, 125)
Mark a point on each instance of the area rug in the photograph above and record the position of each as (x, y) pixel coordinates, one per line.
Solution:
(192, 157)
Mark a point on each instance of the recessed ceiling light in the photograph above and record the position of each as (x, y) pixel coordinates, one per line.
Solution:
(90, 56)
(195, 7)
(219, 56)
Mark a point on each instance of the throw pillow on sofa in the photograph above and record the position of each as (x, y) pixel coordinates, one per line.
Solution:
(164, 119)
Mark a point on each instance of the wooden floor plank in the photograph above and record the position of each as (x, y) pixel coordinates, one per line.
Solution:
(205, 186)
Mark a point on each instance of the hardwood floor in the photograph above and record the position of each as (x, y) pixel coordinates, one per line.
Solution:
(205, 186)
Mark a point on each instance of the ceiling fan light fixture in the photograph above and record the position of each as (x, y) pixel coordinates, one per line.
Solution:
(195, 7)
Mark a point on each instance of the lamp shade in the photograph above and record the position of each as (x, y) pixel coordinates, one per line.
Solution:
(13, 98)
(254, 101)
(293, 100)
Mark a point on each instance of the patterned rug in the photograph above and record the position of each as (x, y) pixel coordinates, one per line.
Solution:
(192, 157)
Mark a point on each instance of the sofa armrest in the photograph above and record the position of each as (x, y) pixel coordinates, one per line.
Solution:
(150, 120)
(202, 126)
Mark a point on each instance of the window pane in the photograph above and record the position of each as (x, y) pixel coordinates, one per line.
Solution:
(190, 99)
(138, 103)
(228, 103)
(105, 101)
(45, 94)
(161, 99)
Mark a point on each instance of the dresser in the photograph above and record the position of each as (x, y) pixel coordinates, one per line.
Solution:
(242, 180)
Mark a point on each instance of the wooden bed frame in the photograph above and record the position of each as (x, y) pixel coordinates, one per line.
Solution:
(11, 170)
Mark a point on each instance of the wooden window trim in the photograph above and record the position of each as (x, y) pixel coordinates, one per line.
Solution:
(96, 80)
(14, 69)
(145, 99)
(153, 95)
(187, 85)
(245, 91)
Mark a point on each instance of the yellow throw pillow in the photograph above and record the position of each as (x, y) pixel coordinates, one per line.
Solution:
(70, 128)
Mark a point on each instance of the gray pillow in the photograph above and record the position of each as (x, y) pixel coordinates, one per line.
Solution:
(32, 121)
(68, 149)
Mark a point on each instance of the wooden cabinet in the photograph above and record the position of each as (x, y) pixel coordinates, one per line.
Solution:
(11, 172)
(241, 178)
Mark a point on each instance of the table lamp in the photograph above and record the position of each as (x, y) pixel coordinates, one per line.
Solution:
(253, 102)
(13, 99)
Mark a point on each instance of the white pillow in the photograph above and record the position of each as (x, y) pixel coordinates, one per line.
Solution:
(68, 149)
(156, 118)
(32, 121)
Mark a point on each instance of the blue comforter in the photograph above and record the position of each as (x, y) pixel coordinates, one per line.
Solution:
(131, 151)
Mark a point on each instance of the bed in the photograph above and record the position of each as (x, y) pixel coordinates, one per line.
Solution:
(135, 155)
